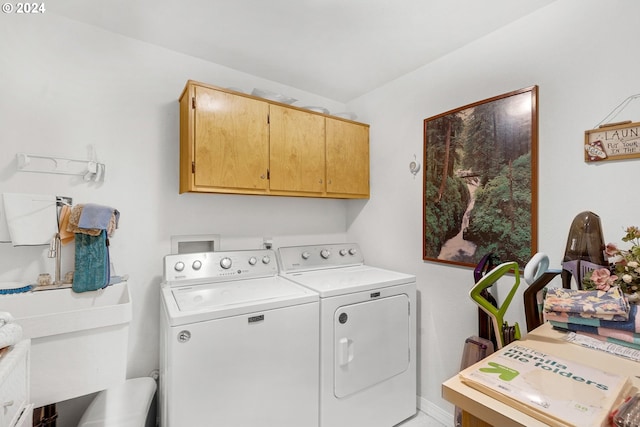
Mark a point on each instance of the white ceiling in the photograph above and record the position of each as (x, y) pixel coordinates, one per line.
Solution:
(339, 49)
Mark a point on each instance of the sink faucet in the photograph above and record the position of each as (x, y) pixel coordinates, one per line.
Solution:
(55, 252)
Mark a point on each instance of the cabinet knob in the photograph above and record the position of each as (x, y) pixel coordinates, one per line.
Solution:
(320, 182)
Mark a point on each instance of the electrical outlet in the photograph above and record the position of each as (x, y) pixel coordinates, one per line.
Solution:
(267, 242)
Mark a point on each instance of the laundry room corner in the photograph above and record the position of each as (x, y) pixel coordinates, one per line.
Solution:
(115, 98)
(389, 226)
(85, 86)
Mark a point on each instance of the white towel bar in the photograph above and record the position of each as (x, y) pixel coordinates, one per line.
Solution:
(91, 170)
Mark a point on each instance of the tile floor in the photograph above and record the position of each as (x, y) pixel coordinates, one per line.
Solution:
(421, 420)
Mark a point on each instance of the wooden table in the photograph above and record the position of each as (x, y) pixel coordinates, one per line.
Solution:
(490, 411)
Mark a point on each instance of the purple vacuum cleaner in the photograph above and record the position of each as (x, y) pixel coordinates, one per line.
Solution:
(585, 249)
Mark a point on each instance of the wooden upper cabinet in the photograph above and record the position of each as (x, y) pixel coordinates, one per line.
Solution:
(297, 142)
(347, 158)
(236, 143)
(231, 141)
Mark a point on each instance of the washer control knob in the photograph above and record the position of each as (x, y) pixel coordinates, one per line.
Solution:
(179, 266)
(305, 255)
(343, 252)
(253, 260)
(325, 253)
(353, 251)
(197, 264)
(266, 259)
(225, 263)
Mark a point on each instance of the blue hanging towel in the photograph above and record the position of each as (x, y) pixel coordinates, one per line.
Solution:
(97, 216)
(91, 262)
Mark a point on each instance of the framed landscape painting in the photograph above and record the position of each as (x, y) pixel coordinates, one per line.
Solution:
(480, 181)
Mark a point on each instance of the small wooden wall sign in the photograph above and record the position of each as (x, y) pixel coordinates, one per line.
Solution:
(614, 141)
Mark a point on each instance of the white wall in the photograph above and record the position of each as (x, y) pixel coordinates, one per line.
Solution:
(581, 55)
(65, 86)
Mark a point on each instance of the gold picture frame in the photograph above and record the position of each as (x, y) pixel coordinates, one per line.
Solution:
(480, 185)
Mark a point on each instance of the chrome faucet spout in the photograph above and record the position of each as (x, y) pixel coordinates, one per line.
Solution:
(55, 252)
(58, 259)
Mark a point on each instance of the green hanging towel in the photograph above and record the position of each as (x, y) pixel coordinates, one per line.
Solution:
(92, 262)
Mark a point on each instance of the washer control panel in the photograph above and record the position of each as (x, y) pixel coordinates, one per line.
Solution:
(204, 267)
(296, 258)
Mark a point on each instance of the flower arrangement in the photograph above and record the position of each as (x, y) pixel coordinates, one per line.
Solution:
(625, 267)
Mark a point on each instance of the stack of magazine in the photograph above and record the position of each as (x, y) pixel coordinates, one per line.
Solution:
(555, 391)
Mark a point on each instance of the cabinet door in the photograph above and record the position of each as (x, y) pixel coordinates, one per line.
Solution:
(14, 384)
(231, 135)
(347, 158)
(297, 150)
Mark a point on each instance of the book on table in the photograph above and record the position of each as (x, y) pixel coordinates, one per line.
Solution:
(555, 391)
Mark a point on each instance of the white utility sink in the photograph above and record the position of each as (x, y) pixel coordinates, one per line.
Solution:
(78, 340)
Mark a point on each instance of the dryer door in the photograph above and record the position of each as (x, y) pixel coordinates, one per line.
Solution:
(371, 342)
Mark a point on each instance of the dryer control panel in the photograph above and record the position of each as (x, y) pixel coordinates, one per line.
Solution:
(207, 267)
(313, 257)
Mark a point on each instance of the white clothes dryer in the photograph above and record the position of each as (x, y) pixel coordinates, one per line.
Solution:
(239, 344)
(367, 334)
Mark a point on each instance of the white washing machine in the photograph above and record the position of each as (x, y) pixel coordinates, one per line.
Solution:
(239, 344)
(367, 334)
